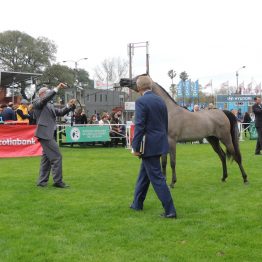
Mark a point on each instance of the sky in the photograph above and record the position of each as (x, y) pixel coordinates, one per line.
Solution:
(209, 39)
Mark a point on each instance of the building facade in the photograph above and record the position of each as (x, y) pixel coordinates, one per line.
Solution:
(96, 101)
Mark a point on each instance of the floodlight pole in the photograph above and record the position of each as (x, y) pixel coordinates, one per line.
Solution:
(237, 74)
(76, 67)
(131, 47)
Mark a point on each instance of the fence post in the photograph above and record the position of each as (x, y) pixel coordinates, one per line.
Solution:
(240, 131)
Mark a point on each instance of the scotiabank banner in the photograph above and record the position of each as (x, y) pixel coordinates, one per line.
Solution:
(18, 141)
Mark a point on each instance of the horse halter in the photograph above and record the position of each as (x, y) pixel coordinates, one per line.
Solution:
(130, 83)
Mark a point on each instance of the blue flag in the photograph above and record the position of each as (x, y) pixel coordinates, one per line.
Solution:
(188, 88)
(195, 88)
(180, 89)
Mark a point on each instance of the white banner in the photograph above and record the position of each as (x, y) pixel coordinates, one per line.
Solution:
(103, 85)
(130, 106)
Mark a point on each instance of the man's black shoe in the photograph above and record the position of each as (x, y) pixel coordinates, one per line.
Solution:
(42, 184)
(172, 215)
(136, 209)
(60, 185)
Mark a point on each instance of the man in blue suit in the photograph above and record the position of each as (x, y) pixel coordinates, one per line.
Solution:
(151, 125)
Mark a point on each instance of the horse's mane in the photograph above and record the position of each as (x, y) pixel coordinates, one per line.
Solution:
(171, 98)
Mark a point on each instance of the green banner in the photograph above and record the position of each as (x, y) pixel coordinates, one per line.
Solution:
(253, 131)
(87, 133)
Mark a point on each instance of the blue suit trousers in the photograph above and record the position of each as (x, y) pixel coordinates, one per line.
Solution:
(150, 171)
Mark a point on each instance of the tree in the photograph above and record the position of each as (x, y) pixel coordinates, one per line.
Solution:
(172, 74)
(58, 73)
(121, 66)
(23, 53)
(83, 79)
(183, 76)
(173, 90)
(111, 70)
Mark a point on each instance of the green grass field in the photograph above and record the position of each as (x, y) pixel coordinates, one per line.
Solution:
(91, 221)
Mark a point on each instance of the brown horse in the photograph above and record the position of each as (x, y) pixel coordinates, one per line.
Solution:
(215, 125)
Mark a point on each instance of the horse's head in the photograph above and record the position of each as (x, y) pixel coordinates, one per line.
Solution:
(130, 83)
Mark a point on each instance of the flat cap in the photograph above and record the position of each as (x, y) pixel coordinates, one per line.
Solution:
(24, 101)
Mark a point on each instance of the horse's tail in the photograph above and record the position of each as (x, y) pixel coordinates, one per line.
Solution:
(234, 135)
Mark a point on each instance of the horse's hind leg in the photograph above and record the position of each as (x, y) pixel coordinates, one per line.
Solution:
(214, 142)
(164, 163)
(233, 151)
(244, 175)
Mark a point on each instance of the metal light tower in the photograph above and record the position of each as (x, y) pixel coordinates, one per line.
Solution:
(237, 74)
(76, 67)
(131, 48)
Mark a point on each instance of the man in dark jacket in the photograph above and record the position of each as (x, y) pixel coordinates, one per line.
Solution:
(151, 131)
(257, 110)
(46, 114)
(9, 113)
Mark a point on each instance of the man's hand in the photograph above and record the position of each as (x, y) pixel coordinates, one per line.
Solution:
(136, 154)
(72, 102)
(61, 86)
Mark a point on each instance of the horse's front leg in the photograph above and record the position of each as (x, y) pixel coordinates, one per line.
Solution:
(164, 163)
(173, 164)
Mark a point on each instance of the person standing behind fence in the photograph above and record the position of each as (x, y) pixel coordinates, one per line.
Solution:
(80, 117)
(121, 129)
(22, 112)
(210, 106)
(151, 125)
(46, 114)
(32, 120)
(196, 108)
(115, 131)
(93, 120)
(9, 114)
(246, 123)
(1, 114)
(257, 109)
(104, 121)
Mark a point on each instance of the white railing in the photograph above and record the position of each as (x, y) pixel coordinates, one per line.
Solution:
(242, 130)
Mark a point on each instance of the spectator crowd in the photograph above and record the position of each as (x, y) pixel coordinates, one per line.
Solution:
(24, 113)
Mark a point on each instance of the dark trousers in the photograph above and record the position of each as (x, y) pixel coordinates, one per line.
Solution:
(51, 161)
(259, 140)
(150, 171)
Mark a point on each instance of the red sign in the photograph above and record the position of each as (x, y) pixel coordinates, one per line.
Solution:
(18, 141)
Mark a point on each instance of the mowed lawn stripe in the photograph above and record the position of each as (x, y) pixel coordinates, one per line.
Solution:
(91, 221)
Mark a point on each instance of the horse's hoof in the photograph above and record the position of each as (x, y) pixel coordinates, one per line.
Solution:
(246, 182)
(223, 180)
(171, 185)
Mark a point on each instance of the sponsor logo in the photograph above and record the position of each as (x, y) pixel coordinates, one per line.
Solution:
(240, 98)
(75, 134)
(17, 142)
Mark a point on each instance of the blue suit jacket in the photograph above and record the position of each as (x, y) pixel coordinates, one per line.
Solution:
(151, 120)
